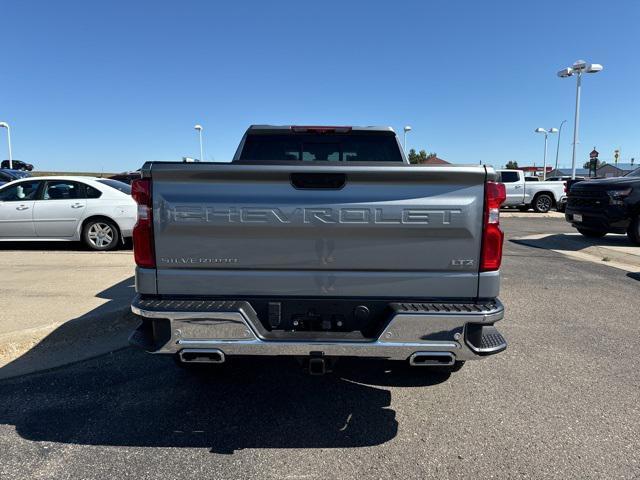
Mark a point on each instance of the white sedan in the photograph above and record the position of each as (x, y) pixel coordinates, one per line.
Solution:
(98, 211)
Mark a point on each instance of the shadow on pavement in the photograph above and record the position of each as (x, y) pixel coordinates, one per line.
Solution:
(131, 398)
(98, 331)
(574, 243)
(634, 275)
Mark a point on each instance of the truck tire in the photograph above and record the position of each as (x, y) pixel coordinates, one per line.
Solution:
(591, 233)
(634, 231)
(100, 234)
(542, 203)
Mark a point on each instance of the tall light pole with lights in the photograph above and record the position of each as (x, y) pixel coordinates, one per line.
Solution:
(198, 127)
(544, 162)
(578, 69)
(407, 129)
(6, 125)
(558, 147)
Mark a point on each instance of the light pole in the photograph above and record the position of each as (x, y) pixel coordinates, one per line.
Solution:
(198, 127)
(577, 69)
(558, 147)
(544, 162)
(6, 125)
(407, 128)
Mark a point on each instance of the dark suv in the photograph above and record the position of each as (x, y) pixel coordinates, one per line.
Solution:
(607, 205)
(17, 165)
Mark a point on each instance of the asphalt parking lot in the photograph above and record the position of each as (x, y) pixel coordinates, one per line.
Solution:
(561, 402)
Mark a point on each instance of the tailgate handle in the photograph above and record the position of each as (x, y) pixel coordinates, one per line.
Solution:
(326, 181)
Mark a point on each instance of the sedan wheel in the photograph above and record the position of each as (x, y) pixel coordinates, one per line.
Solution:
(100, 235)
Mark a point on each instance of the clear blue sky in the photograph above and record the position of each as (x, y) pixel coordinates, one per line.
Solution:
(108, 85)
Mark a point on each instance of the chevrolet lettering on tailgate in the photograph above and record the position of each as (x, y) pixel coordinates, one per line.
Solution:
(311, 215)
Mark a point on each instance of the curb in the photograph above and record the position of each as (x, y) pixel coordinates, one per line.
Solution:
(576, 246)
(56, 345)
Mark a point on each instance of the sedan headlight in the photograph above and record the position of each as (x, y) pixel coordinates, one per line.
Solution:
(616, 197)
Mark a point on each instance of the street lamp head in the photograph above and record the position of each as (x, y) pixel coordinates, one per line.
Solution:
(4, 125)
(553, 130)
(407, 128)
(594, 68)
(580, 66)
(198, 127)
(565, 72)
(540, 130)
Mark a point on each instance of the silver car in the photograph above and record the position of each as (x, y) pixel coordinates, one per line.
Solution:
(100, 212)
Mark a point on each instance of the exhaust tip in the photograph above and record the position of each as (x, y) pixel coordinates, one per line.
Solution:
(193, 355)
(432, 359)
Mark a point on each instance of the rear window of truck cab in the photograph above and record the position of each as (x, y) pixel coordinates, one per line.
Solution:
(509, 177)
(331, 147)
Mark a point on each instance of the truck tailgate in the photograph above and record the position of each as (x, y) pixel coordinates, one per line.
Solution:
(380, 231)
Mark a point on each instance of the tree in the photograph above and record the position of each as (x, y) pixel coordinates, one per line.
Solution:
(512, 165)
(420, 157)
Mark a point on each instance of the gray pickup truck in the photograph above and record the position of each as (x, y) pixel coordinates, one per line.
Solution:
(318, 243)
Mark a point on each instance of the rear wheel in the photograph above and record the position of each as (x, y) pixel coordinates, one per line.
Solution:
(592, 233)
(100, 234)
(634, 230)
(542, 203)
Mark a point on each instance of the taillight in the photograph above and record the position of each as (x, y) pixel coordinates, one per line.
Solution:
(143, 230)
(492, 236)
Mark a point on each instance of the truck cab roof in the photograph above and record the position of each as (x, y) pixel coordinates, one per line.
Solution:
(317, 128)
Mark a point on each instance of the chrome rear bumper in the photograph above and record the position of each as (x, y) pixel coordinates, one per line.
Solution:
(232, 328)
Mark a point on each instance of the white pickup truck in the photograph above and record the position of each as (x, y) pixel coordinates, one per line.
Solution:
(541, 196)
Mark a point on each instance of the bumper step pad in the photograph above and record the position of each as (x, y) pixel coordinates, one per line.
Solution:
(474, 308)
(484, 339)
(195, 306)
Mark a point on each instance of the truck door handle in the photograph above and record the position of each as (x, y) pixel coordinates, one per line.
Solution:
(22, 207)
(518, 186)
(77, 205)
(327, 181)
